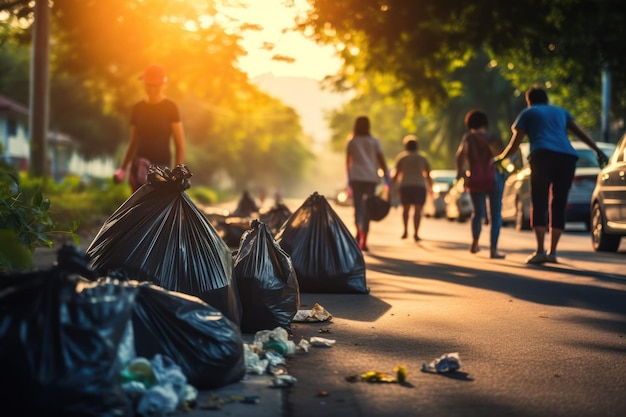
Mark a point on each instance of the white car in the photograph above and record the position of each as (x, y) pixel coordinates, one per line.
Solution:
(608, 202)
(435, 205)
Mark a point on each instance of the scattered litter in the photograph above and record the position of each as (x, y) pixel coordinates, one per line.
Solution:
(317, 313)
(283, 381)
(324, 330)
(320, 341)
(160, 400)
(157, 387)
(215, 402)
(304, 345)
(275, 358)
(322, 393)
(448, 362)
(374, 376)
(276, 340)
(246, 399)
(381, 377)
(254, 363)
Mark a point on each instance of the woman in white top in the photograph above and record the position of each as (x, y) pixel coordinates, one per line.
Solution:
(364, 155)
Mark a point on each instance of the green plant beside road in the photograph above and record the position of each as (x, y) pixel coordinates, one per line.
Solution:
(25, 222)
(72, 209)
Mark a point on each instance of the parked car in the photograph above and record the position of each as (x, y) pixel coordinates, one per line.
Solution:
(435, 205)
(343, 197)
(516, 196)
(458, 202)
(608, 202)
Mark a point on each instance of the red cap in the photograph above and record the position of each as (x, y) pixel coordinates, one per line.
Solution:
(154, 74)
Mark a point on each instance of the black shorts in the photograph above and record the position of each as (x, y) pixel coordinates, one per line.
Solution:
(412, 194)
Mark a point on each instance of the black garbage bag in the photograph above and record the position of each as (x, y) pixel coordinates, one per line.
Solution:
(266, 280)
(231, 229)
(159, 235)
(246, 206)
(275, 216)
(201, 340)
(59, 337)
(377, 207)
(326, 257)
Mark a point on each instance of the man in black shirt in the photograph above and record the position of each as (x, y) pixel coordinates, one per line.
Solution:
(153, 122)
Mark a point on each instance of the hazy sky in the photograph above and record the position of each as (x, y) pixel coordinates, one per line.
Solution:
(311, 60)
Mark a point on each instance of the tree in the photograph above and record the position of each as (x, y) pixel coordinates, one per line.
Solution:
(420, 42)
(99, 47)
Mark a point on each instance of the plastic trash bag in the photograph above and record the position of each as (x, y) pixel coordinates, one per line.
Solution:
(58, 345)
(205, 344)
(231, 229)
(325, 255)
(377, 207)
(159, 235)
(266, 281)
(246, 206)
(275, 216)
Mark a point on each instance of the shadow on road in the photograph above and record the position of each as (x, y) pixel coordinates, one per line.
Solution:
(520, 286)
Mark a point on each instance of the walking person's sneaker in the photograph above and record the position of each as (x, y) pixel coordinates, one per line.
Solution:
(497, 255)
(537, 258)
(551, 259)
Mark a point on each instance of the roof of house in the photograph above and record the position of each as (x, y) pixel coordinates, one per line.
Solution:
(6, 104)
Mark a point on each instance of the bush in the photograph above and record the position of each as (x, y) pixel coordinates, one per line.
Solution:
(25, 222)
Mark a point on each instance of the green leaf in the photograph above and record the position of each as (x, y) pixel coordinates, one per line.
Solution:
(37, 198)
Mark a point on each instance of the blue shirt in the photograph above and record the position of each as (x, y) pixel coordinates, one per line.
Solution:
(546, 127)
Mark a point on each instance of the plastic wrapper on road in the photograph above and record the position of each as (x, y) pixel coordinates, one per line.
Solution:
(266, 281)
(326, 257)
(58, 345)
(159, 235)
(202, 341)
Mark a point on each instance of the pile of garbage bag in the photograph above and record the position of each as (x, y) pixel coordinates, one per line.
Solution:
(266, 281)
(159, 235)
(325, 255)
(201, 340)
(73, 343)
(58, 345)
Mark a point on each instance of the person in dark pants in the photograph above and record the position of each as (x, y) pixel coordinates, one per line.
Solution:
(476, 151)
(364, 156)
(412, 173)
(154, 121)
(552, 162)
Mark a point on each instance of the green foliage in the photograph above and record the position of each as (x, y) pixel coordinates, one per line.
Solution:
(202, 195)
(420, 42)
(86, 204)
(25, 222)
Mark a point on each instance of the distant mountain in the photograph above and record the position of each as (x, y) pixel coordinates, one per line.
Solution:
(307, 98)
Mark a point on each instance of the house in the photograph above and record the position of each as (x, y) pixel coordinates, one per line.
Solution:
(14, 143)
(63, 159)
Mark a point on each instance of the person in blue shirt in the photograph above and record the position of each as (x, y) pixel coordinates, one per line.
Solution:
(552, 162)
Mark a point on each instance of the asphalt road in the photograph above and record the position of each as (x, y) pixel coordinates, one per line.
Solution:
(532, 340)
